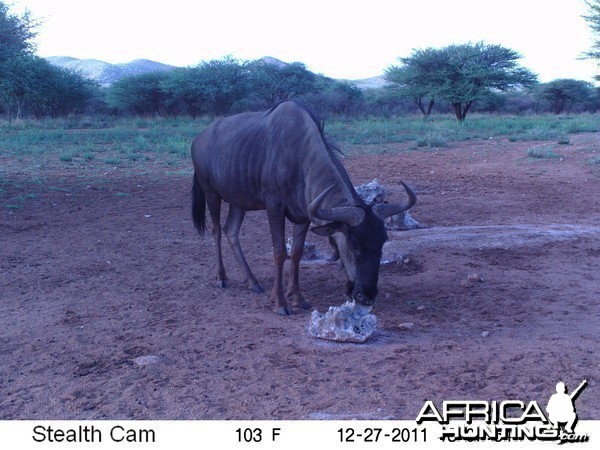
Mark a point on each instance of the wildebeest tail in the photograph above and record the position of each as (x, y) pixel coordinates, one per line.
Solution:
(198, 206)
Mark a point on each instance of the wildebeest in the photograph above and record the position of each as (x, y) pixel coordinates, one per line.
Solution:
(279, 160)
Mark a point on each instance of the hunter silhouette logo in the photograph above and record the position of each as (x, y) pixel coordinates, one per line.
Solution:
(561, 408)
(509, 420)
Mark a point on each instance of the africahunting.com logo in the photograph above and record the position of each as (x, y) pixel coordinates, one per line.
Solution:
(510, 420)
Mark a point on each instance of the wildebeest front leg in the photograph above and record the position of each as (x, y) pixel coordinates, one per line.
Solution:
(293, 292)
(232, 232)
(277, 225)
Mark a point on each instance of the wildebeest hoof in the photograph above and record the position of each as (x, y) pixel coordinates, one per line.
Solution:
(222, 283)
(300, 303)
(257, 288)
(282, 310)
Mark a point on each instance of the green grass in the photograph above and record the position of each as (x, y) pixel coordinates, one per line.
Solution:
(83, 139)
(112, 161)
(66, 157)
(17, 202)
(81, 146)
(545, 152)
(440, 130)
(127, 142)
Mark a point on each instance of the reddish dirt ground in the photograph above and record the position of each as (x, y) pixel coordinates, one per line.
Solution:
(101, 268)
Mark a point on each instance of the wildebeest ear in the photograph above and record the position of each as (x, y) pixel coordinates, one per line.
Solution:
(327, 229)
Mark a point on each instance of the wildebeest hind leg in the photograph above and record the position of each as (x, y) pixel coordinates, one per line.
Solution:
(213, 201)
(293, 292)
(277, 225)
(232, 232)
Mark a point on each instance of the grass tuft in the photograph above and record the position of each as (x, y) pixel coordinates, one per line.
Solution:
(595, 161)
(66, 157)
(546, 152)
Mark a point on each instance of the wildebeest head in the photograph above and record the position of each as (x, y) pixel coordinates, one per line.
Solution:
(359, 234)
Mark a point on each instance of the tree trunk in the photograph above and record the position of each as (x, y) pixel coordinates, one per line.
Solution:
(461, 112)
(431, 102)
(559, 106)
(458, 111)
(466, 110)
(19, 109)
(419, 103)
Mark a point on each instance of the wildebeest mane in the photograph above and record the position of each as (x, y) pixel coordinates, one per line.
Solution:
(332, 149)
(320, 124)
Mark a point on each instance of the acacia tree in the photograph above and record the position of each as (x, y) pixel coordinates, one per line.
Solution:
(16, 50)
(460, 74)
(138, 94)
(28, 83)
(407, 78)
(224, 82)
(564, 93)
(182, 94)
(16, 33)
(335, 96)
(593, 19)
(274, 82)
(212, 87)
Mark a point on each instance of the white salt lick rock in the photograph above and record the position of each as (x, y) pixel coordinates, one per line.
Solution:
(147, 360)
(350, 322)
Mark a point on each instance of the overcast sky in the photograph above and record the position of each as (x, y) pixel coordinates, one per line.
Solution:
(338, 38)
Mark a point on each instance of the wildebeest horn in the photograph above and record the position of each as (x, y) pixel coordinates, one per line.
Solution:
(347, 214)
(385, 210)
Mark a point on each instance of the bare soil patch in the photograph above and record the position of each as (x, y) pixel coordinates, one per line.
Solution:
(108, 307)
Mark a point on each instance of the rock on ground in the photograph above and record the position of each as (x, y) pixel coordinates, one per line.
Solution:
(374, 192)
(349, 322)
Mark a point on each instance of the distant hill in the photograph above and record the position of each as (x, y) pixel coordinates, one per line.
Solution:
(106, 73)
(274, 61)
(369, 83)
(366, 83)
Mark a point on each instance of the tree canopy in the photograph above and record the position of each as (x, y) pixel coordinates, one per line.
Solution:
(409, 78)
(564, 93)
(16, 33)
(459, 74)
(139, 94)
(214, 87)
(28, 82)
(274, 82)
(593, 19)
